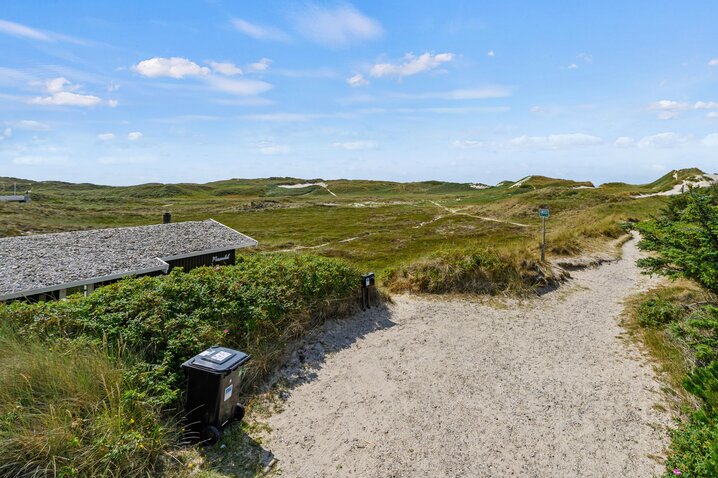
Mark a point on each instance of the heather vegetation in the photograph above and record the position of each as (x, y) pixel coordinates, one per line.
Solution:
(679, 323)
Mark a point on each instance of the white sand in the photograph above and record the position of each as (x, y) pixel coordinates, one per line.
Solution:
(306, 185)
(704, 181)
(455, 387)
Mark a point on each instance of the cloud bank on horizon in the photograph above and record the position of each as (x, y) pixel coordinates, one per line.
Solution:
(197, 91)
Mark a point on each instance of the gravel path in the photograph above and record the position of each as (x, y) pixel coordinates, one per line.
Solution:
(457, 387)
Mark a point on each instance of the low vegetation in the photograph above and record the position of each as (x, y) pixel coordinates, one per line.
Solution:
(679, 323)
(92, 386)
(483, 271)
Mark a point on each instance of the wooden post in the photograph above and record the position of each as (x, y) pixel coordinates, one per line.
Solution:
(543, 241)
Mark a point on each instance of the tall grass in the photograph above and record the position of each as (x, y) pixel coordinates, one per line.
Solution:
(65, 411)
(478, 270)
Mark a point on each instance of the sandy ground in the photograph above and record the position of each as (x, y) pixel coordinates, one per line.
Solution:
(456, 387)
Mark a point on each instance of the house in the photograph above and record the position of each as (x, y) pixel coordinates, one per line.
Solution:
(51, 266)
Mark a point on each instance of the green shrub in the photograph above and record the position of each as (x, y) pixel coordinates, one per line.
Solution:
(86, 391)
(483, 271)
(658, 312)
(685, 238)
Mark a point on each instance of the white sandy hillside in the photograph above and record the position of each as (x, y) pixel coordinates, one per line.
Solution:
(699, 181)
(479, 186)
(520, 182)
(306, 185)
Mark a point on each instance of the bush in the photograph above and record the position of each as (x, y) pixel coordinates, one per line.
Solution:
(685, 238)
(98, 373)
(658, 312)
(483, 271)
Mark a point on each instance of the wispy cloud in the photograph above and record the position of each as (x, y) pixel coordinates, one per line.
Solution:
(335, 26)
(239, 86)
(106, 136)
(411, 65)
(134, 136)
(663, 140)
(466, 144)
(259, 32)
(480, 93)
(713, 62)
(357, 80)
(556, 141)
(269, 148)
(356, 145)
(22, 31)
(225, 68)
(259, 66)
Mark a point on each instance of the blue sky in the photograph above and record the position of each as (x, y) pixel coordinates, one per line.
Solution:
(130, 92)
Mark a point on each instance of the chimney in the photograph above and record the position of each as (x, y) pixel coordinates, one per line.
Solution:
(166, 217)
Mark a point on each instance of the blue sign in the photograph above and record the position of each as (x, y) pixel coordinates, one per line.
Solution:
(543, 212)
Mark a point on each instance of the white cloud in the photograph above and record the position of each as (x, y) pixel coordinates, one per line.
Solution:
(336, 26)
(663, 140)
(7, 133)
(106, 136)
(668, 109)
(239, 86)
(411, 65)
(357, 80)
(480, 93)
(572, 66)
(174, 67)
(556, 141)
(225, 68)
(585, 57)
(58, 84)
(712, 115)
(66, 98)
(466, 144)
(40, 160)
(668, 105)
(667, 115)
(625, 142)
(134, 136)
(259, 32)
(491, 53)
(711, 140)
(713, 62)
(22, 31)
(706, 105)
(261, 65)
(112, 103)
(31, 125)
(273, 149)
(356, 145)
(114, 160)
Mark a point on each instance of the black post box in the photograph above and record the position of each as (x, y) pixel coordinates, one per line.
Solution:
(366, 282)
(213, 391)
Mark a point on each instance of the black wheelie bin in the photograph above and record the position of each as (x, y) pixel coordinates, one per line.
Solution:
(213, 392)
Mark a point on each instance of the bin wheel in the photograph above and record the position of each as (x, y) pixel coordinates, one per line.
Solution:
(238, 412)
(210, 435)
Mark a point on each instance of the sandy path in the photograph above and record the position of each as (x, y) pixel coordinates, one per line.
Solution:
(447, 388)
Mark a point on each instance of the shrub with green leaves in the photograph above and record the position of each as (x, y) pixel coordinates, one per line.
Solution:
(684, 238)
(658, 312)
(104, 371)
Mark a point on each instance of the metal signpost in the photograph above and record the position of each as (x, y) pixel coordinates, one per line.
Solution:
(543, 214)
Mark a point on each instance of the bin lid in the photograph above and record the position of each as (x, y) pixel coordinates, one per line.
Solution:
(217, 360)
